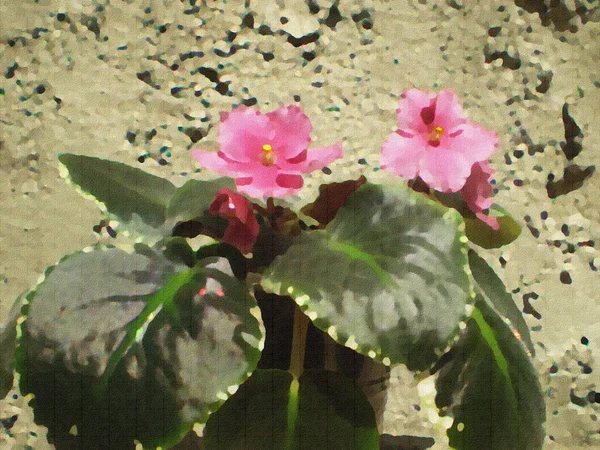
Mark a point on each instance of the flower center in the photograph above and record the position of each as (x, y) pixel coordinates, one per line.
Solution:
(435, 135)
(267, 157)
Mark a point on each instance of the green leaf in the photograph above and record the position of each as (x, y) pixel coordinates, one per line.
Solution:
(128, 345)
(8, 342)
(272, 410)
(130, 195)
(386, 277)
(483, 235)
(494, 293)
(491, 388)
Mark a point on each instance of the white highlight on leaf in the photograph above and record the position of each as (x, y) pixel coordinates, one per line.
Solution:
(312, 315)
(351, 343)
(372, 354)
(233, 389)
(222, 396)
(469, 309)
(290, 290)
(302, 300)
(199, 429)
(252, 340)
(331, 331)
(460, 427)
(386, 361)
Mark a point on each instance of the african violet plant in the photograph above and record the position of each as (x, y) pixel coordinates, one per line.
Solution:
(125, 345)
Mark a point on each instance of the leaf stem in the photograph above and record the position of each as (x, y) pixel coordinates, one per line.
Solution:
(301, 322)
(298, 343)
(292, 415)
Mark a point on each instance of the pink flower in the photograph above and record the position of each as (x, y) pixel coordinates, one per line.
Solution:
(243, 227)
(477, 191)
(435, 141)
(266, 153)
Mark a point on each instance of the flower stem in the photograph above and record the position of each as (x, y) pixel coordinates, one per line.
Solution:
(296, 368)
(298, 343)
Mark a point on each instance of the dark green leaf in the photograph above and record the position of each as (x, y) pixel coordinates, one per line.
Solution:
(385, 277)
(271, 411)
(491, 388)
(8, 341)
(389, 442)
(495, 294)
(130, 195)
(128, 345)
(178, 250)
(483, 235)
(333, 412)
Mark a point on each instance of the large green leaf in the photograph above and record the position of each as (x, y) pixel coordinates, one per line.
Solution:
(128, 345)
(8, 340)
(147, 206)
(386, 277)
(131, 196)
(272, 411)
(494, 292)
(491, 388)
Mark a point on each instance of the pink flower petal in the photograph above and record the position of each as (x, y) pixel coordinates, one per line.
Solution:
(449, 114)
(489, 220)
(409, 110)
(475, 143)
(291, 129)
(264, 183)
(477, 189)
(313, 159)
(243, 132)
(435, 141)
(401, 155)
(444, 170)
(213, 161)
(289, 181)
(256, 148)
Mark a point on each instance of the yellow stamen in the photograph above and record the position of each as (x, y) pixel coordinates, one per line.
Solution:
(436, 134)
(267, 156)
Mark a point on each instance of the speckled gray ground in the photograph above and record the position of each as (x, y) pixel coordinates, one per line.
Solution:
(126, 78)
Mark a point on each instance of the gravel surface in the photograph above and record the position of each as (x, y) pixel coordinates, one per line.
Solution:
(143, 82)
